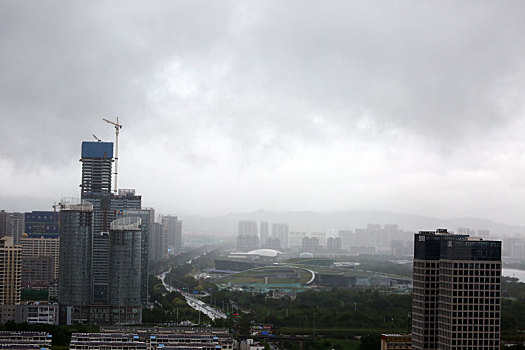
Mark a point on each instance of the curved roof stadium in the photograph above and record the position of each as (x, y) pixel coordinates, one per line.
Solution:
(270, 253)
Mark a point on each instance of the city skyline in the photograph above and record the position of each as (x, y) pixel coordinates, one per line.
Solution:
(280, 106)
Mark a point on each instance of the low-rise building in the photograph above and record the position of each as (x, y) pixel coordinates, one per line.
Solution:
(37, 312)
(396, 341)
(162, 337)
(106, 341)
(250, 344)
(25, 340)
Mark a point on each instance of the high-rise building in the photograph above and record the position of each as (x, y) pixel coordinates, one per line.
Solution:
(173, 233)
(97, 159)
(310, 245)
(11, 224)
(178, 235)
(281, 231)
(146, 227)
(76, 239)
(125, 260)
(95, 186)
(100, 268)
(333, 245)
(10, 278)
(40, 249)
(321, 237)
(248, 238)
(346, 238)
(247, 228)
(263, 233)
(124, 269)
(273, 243)
(151, 234)
(158, 249)
(246, 243)
(125, 200)
(117, 204)
(41, 223)
(456, 296)
(295, 239)
(40, 259)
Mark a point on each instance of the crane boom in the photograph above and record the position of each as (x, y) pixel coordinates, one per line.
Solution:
(117, 129)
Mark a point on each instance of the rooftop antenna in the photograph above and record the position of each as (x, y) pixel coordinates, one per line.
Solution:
(96, 138)
(117, 129)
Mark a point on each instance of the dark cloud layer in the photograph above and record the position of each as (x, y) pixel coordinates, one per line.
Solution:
(225, 90)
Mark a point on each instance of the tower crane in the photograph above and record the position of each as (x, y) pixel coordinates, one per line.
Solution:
(117, 130)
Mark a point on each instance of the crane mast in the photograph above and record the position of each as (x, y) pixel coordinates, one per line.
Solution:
(117, 130)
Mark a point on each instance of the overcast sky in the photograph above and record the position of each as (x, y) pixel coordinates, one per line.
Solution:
(414, 107)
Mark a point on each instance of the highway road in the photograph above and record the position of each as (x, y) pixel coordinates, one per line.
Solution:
(195, 303)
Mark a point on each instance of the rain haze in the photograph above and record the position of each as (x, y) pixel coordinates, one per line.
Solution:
(230, 106)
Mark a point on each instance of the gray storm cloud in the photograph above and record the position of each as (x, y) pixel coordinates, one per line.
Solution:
(281, 105)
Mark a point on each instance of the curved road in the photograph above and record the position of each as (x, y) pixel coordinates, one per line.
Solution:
(195, 303)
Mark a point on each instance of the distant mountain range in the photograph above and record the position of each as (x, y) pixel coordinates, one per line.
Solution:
(342, 220)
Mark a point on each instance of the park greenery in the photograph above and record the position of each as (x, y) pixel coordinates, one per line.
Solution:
(512, 309)
(169, 307)
(334, 311)
(338, 313)
(328, 318)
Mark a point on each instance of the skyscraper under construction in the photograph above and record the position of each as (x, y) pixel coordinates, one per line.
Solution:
(92, 261)
(97, 159)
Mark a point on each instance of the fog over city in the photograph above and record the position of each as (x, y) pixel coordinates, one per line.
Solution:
(230, 106)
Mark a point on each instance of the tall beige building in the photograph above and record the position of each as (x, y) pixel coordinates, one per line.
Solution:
(40, 256)
(10, 277)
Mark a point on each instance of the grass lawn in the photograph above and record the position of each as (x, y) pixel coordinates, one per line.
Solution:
(259, 276)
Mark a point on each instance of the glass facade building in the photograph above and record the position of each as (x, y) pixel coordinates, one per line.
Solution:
(76, 238)
(125, 262)
(147, 221)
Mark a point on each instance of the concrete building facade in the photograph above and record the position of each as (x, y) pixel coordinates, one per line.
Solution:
(396, 342)
(125, 260)
(10, 277)
(263, 233)
(76, 239)
(456, 295)
(158, 248)
(40, 259)
(37, 313)
(145, 216)
(25, 340)
(248, 237)
(11, 224)
(281, 231)
(172, 227)
(246, 243)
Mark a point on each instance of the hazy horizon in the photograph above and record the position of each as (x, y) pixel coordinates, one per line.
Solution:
(227, 106)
